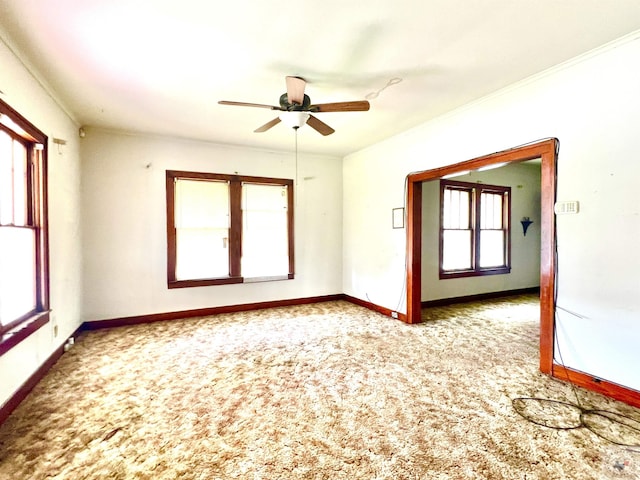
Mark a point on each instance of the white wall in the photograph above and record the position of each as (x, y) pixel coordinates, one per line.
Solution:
(25, 94)
(593, 106)
(124, 223)
(524, 180)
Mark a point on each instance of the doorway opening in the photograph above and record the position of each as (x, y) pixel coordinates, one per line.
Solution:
(546, 151)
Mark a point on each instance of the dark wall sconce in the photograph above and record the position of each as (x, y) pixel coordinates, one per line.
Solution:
(525, 224)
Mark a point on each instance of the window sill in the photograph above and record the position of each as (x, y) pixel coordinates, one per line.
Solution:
(205, 282)
(474, 273)
(273, 278)
(22, 331)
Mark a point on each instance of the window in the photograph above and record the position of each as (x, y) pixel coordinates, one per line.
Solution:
(228, 229)
(474, 229)
(24, 280)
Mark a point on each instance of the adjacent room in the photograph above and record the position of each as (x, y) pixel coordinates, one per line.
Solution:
(319, 240)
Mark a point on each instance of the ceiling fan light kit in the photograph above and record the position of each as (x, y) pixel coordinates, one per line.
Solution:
(296, 108)
(294, 119)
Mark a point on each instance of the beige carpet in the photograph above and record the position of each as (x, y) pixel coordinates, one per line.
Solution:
(325, 391)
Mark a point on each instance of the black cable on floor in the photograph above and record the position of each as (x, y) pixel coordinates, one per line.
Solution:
(610, 426)
(604, 424)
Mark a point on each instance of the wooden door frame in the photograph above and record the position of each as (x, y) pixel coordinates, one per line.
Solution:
(547, 151)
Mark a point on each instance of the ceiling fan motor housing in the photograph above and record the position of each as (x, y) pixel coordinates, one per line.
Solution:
(294, 107)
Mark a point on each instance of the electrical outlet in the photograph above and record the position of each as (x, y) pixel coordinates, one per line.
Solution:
(54, 325)
(70, 342)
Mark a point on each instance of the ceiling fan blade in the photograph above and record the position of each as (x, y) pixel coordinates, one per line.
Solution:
(295, 89)
(357, 106)
(245, 104)
(319, 126)
(267, 125)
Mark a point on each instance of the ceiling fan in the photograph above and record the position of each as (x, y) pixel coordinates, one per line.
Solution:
(297, 108)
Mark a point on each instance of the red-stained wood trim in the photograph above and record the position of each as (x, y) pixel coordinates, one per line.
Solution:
(517, 154)
(13, 337)
(414, 252)
(229, 178)
(475, 191)
(12, 403)
(546, 150)
(42, 236)
(37, 215)
(470, 189)
(475, 273)
(508, 228)
(618, 392)
(376, 308)
(171, 229)
(205, 282)
(201, 312)
(235, 226)
(291, 231)
(478, 297)
(28, 127)
(19, 395)
(590, 382)
(32, 174)
(235, 229)
(547, 256)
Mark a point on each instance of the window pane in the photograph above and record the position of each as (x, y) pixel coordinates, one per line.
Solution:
(455, 210)
(447, 209)
(24, 282)
(474, 212)
(6, 178)
(17, 273)
(491, 210)
(492, 248)
(202, 229)
(19, 183)
(201, 204)
(265, 246)
(456, 249)
(202, 253)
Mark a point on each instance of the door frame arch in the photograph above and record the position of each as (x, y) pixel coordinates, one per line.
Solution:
(547, 151)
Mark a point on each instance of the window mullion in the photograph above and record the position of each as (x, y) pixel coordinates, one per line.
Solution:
(13, 182)
(235, 228)
(506, 226)
(475, 225)
(290, 232)
(38, 220)
(32, 190)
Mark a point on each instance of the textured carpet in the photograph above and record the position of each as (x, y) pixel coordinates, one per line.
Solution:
(324, 391)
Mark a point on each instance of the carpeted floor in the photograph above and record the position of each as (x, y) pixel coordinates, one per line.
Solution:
(324, 391)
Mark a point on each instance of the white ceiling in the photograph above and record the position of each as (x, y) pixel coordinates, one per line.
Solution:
(160, 66)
